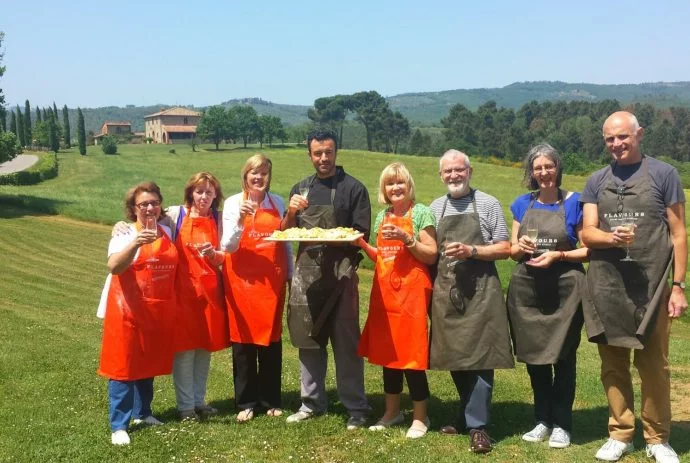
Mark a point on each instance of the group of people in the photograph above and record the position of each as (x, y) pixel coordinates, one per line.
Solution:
(190, 283)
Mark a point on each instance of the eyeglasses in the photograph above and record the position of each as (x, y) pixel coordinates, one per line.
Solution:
(457, 170)
(145, 205)
(549, 169)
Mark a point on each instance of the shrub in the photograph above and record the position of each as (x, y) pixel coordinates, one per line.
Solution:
(109, 144)
(172, 151)
(8, 146)
(44, 169)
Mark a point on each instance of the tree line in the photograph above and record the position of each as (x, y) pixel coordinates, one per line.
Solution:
(240, 122)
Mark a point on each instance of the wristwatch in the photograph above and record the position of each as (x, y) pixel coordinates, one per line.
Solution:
(474, 252)
(680, 284)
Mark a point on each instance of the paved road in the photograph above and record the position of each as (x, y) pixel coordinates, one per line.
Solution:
(21, 162)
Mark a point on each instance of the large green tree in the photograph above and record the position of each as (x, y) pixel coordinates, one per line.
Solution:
(331, 112)
(53, 138)
(38, 114)
(13, 123)
(81, 132)
(21, 133)
(3, 111)
(271, 128)
(41, 136)
(66, 128)
(246, 123)
(27, 123)
(214, 125)
(8, 146)
(371, 111)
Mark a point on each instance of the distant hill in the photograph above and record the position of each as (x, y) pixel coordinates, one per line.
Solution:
(428, 108)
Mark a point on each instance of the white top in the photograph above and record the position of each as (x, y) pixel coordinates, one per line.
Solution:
(232, 229)
(117, 244)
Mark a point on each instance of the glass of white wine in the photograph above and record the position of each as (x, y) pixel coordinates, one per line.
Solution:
(151, 223)
(532, 232)
(304, 191)
(627, 226)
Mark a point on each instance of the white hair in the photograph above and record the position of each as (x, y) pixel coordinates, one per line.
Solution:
(450, 154)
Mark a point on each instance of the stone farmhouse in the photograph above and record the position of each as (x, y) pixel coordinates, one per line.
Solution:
(174, 125)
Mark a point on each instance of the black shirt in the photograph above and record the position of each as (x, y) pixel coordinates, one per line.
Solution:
(352, 206)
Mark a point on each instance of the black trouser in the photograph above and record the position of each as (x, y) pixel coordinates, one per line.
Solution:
(475, 388)
(416, 382)
(257, 384)
(554, 391)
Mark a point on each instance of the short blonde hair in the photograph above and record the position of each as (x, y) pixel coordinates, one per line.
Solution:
(195, 180)
(396, 170)
(253, 163)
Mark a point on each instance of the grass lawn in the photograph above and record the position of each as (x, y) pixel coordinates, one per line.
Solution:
(53, 406)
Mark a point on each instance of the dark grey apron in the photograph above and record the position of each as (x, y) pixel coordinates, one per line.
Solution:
(624, 297)
(318, 280)
(469, 325)
(545, 304)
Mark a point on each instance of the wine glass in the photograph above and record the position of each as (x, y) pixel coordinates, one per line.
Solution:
(199, 242)
(532, 232)
(304, 191)
(627, 226)
(151, 223)
(254, 199)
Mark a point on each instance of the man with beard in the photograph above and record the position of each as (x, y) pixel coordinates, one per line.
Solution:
(469, 324)
(634, 222)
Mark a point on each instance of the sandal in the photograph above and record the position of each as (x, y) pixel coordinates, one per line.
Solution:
(274, 412)
(245, 415)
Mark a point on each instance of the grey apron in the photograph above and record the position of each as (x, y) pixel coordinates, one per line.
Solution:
(318, 280)
(545, 304)
(623, 298)
(469, 325)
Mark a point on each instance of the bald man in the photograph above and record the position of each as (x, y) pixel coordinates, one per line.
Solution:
(634, 222)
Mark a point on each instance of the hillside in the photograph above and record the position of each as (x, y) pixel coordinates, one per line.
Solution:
(428, 108)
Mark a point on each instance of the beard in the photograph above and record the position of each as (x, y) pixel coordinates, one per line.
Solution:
(457, 189)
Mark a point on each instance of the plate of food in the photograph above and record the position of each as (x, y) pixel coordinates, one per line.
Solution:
(316, 234)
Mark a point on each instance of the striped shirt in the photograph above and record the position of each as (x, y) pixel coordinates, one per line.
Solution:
(491, 219)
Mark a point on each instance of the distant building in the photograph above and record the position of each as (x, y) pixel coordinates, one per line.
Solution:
(116, 128)
(174, 125)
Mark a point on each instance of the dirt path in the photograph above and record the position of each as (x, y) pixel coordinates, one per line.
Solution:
(21, 162)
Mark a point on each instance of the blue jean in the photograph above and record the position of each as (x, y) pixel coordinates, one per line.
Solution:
(129, 399)
(475, 388)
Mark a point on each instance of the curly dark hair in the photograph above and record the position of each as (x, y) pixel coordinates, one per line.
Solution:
(322, 135)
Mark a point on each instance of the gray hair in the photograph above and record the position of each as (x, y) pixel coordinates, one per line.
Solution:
(548, 151)
(450, 154)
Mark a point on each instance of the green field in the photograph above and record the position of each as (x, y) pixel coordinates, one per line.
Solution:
(53, 406)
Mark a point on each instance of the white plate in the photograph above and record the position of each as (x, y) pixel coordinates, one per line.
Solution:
(348, 239)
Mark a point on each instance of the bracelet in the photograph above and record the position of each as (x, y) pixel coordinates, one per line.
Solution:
(562, 256)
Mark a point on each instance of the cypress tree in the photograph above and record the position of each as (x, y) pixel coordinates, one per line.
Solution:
(53, 139)
(13, 123)
(45, 116)
(3, 120)
(81, 132)
(27, 123)
(21, 134)
(66, 128)
(38, 114)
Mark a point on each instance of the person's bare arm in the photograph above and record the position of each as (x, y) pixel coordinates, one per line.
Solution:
(119, 261)
(678, 303)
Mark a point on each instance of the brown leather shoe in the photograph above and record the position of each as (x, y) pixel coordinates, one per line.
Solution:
(480, 442)
(449, 429)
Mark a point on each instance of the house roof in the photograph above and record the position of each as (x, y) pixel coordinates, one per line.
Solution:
(117, 123)
(179, 128)
(177, 111)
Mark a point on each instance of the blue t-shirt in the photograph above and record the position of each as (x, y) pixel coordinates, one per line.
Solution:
(572, 206)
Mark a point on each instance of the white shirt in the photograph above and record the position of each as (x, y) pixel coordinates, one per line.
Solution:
(232, 229)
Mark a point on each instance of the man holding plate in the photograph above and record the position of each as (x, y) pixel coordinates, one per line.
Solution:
(324, 299)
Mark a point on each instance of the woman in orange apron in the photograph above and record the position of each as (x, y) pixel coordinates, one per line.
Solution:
(139, 313)
(254, 273)
(395, 334)
(201, 326)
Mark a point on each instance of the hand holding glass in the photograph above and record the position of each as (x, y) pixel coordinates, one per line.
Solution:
(627, 226)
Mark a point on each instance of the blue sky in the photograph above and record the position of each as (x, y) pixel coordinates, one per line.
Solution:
(89, 54)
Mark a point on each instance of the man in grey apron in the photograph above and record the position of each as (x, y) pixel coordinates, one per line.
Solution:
(628, 304)
(324, 301)
(469, 323)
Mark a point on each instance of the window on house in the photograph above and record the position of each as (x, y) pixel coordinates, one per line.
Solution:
(185, 121)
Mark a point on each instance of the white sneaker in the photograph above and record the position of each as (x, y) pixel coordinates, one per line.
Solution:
(613, 450)
(299, 416)
(150, 420)
(538, 434)
(120, 437)
(662, 453)
(560, 438)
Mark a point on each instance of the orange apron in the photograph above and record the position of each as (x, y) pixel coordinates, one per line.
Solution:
(395, 334)
(254, 278)
(140, 314)
(202, 321)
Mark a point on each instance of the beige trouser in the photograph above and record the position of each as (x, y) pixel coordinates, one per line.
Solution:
(652, 366)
